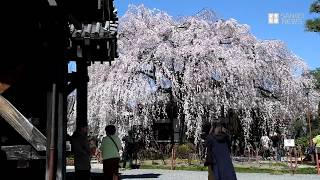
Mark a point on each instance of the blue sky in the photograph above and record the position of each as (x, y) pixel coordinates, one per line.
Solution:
(254, 13)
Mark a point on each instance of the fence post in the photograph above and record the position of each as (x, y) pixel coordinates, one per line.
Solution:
(173, 158)
(290, 155)
(317, 160)
(295, 157)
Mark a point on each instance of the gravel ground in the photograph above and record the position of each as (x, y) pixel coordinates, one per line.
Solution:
(198, 175)
(159, 174)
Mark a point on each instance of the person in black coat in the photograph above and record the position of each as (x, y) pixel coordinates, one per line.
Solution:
(81, 151)
(218, 154)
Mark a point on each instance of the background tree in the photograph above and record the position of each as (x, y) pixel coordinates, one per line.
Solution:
(214, 69)
(316, 75)
(313, 25)
(316, 120)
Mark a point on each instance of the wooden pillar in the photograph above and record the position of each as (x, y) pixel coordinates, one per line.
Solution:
(82, 92)
(57, 123)
(61, 122)
(51, 146)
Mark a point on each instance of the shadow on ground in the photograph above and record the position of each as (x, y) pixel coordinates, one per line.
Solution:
(140, 176)
(99, 176)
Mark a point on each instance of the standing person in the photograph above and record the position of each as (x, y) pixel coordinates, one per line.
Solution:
(316, 142)
(265, 145)
(81, 150)
(93, 144)
(276, 139)
(218, 154)
(210, 160)
(129, 148)
(110, 147)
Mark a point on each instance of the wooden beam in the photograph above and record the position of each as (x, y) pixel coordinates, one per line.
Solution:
(21, 152)
(82, 94)
(22, 125)
(9, 74)
(3, 87)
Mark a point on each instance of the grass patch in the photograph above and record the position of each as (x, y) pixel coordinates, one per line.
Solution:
(145, 166)
(186, 168)
(237, 169)
(275, 168)
(192, 168)
(306, 171)
(252, 170)
(279, 164)
(276, 172)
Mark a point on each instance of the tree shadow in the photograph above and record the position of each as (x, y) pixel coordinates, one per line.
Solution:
(99, 176)
(140, 176)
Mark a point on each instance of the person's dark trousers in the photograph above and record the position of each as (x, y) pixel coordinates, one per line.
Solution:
(127, 157)
(82, 175)
(315, 158)
(110, 168)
